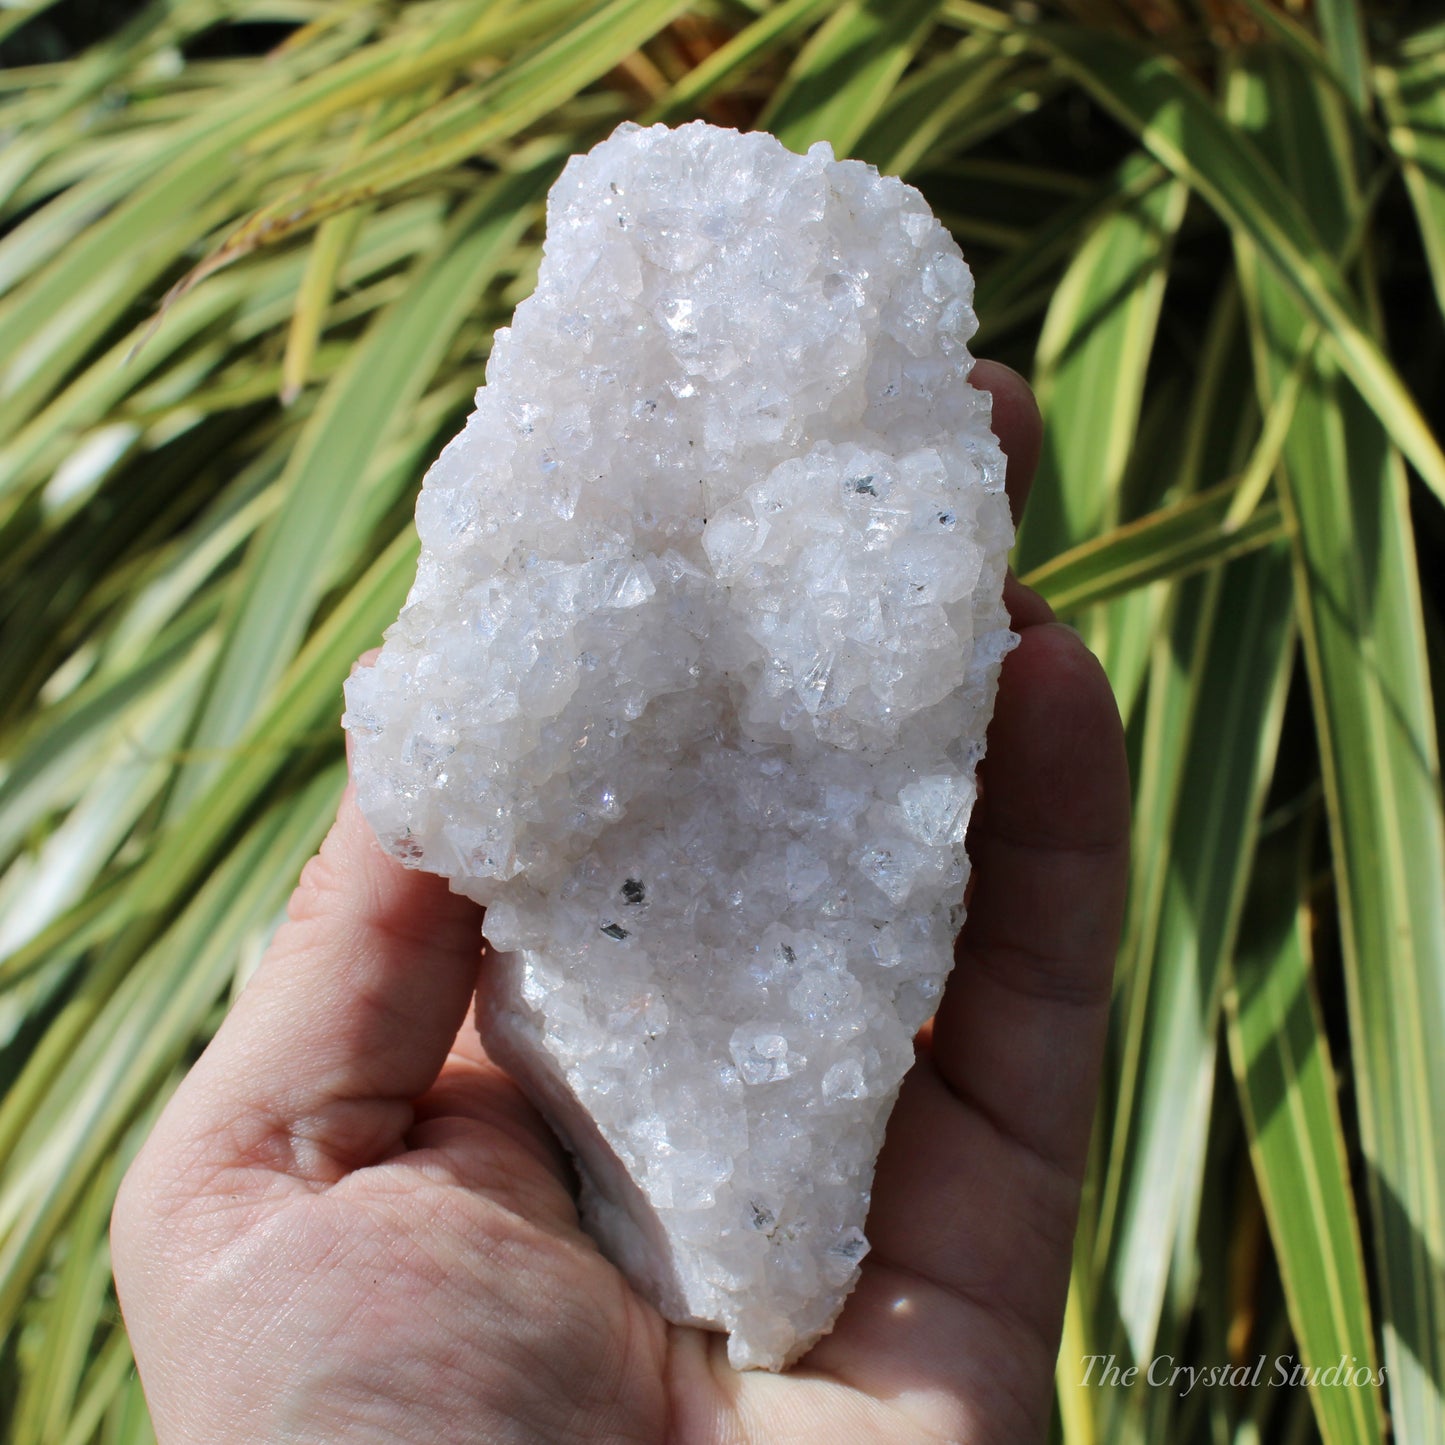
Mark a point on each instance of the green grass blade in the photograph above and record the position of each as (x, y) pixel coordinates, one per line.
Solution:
(1173, 665)
(1342, 28)
(302, 707)
(1174, 542)
(1343, 490)
(403, 65)
(333, 240)
(1092, 360)
(41, 236)
(106, 1380)
(928, 116)
(299, 554)
(131, 770)
(67, 1320)
(143, 1031)
(1090, 367)
(1076, 1399)
(55, 758)
(37, 451)
(1346, 74)
(301, 715)
(128, 1421)
(1193, 886)
(46, 325)
(1019, 285)
(1180, 127)
(1413, 97)
(846, 72)
(1265, 459)
(1286, 1081)
(736, 59)
(519, 95)
(167, 207)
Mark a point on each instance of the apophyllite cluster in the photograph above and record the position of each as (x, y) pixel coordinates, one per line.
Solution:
(690, 692)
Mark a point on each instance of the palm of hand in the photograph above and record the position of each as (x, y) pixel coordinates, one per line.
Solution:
(349, 1224)
(448, 1285)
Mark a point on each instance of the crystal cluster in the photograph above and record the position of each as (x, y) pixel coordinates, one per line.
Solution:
(690, 691)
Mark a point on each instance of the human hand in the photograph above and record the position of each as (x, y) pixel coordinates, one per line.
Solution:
(349, 1225)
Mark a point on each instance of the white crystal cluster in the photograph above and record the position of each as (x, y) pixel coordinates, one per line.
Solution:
(690, 691)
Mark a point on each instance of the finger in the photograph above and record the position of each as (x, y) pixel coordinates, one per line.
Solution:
(1020, 1032)
(976, 1193)
(957, 1310)
(1016, 424)
(1019, 429)
(348, 1019)
(1024, 606)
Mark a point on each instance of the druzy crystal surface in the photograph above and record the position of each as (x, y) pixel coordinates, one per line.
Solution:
(690, 691)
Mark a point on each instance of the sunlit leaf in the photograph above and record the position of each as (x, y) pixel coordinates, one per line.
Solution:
(1362, 626)
(1286, 1079)
(1414, 100)
(1180, 127)
(845, 73)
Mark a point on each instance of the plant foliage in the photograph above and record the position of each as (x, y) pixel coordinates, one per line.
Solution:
(251, 256)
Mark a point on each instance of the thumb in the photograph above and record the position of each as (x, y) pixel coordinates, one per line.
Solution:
(347, 1020)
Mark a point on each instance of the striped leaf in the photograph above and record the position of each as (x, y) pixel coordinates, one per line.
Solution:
(1092, 358)
(1286, 1080)
(1224, 667)
(1182, 130)
(545, 76)
(868, 43)
(1172, 543)
(141, 1033)
(738, 57)
(1357, 595)
(1413, 95)
(296, 559)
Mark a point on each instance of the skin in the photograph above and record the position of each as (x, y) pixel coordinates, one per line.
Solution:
(349, 1224)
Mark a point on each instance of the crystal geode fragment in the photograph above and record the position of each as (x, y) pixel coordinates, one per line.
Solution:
(690, 691)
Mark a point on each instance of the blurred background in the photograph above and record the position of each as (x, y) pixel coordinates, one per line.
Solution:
(251, 256)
